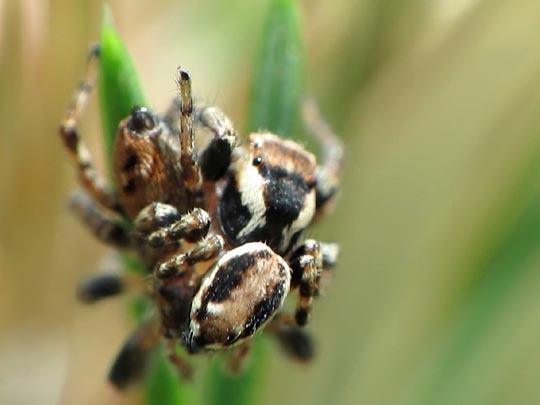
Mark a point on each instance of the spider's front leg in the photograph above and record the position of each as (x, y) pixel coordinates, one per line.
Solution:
(308, 262)
(188, 158)
(205, 249)
(91, 180)
(215, 158)
(176, 279)
(161, 225)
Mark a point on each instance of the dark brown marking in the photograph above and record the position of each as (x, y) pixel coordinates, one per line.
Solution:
(129, 187)
(71, 138)
(228, 278)
(301, 316)
(264, 310)
(131, 162)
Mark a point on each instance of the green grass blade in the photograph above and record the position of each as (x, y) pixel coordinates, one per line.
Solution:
(277, 80)
(275, 103)
(120, 90)
(163, 386)
(118, 82)
(225, 388)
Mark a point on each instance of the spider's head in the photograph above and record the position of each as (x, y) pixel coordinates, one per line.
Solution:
(271, 195)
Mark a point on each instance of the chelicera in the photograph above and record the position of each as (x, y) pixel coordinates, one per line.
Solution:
(217, 224)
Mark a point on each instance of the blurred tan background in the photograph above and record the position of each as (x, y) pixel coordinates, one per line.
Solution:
(437, 296)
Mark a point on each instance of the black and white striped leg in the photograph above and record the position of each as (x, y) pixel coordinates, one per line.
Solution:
(106, 228)
(131, 362)
(308, 262)
(161, 224)
(154, 216)
(329, 252)
(216, 157)
(91, 180)
(192, 227)
(205, 249)
(332, 155)
(188, 158)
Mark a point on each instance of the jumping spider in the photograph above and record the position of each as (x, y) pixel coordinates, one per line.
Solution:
(217, 226)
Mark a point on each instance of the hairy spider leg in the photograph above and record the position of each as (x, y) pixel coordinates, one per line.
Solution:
(188, 158)
(215, 157)
(131, 362)
(161, 225)
(92, 181)
(105, 227)
(205, 249)
(332, 156)
(238, 357)
(308, 262)
(182, 366)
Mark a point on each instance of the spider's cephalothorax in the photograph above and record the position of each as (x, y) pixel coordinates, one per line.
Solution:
(219, 229)
(270, 193)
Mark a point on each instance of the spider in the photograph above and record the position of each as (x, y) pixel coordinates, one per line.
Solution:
(218, 226)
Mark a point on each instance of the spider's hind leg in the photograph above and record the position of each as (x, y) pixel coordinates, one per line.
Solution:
(327, 182)
(309, 262)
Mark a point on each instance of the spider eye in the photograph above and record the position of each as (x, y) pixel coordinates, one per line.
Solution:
(141, 120)
(257, 161)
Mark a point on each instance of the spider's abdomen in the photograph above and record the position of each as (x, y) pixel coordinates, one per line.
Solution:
(238, 296)
(269, 195)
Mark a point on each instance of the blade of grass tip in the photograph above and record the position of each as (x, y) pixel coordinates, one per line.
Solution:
(118, 82)
(277, 79)
(275, 105)
(119, 90)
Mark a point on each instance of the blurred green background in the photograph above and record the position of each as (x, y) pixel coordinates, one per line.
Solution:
(437, 296)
